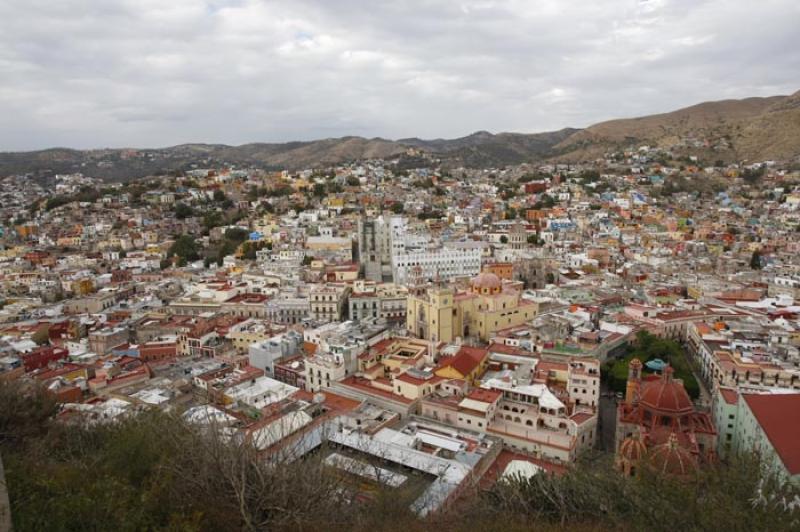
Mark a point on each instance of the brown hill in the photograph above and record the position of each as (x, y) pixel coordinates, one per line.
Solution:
(730, 130)
(752, 128)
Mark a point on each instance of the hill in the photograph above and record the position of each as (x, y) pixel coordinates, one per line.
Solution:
(748, 129)
(753, 129)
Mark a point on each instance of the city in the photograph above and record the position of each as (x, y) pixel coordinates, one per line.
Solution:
(475, 265)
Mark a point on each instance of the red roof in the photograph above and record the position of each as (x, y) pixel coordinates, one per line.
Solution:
(466, 360)
(666, 395)
(779, 417)
(730, 396)
(484, 395)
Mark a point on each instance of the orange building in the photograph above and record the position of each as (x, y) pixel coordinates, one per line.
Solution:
(504, 270)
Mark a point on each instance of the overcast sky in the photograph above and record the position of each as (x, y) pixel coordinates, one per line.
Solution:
(150, 73)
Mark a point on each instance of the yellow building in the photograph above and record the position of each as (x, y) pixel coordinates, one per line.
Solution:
(443, 314)
(82, 287)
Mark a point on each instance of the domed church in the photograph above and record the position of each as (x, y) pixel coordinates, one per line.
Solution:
(487, 305)
(658, 426)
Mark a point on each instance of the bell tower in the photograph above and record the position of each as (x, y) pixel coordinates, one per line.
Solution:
(634, 382)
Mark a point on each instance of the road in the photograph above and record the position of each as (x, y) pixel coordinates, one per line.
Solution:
(607, 421)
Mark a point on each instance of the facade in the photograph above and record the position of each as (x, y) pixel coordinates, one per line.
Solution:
(264, 354)
(443, 314)
(288, 310)
(378, 239)
(658, 426)
(440, 264)
(766, 423)
(385, 300)
(328, 302)
(102, 341)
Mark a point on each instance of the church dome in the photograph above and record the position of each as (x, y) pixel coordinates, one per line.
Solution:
(666, 395)
(672, 459)
(632, 449)
(487, 281)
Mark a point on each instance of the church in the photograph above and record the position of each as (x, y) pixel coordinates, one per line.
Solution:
(487, 306)
(658, 426)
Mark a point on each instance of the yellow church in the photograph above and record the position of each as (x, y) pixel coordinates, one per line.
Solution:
(443, 314)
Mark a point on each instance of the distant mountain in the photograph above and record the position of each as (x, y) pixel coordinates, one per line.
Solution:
(749, 129)
(480, 149)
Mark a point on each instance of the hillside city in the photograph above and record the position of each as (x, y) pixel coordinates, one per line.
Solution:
(461, 325)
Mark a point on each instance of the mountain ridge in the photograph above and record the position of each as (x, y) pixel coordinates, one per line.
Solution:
(755, 128)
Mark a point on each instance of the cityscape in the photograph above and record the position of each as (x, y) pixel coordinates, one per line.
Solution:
(592, 328)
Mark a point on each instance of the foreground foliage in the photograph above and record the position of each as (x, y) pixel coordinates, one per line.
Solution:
(153, 472)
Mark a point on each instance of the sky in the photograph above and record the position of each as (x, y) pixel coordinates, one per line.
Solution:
(153, 73)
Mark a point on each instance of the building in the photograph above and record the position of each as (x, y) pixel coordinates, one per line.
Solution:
(378, 240)
(445, 314)
(102, 341)
(658, 426)
(328, 302)
(265, 353)
(385, 300)
(441, 264)
(766, 423)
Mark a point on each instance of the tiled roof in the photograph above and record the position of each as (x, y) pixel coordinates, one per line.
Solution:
(779, 417)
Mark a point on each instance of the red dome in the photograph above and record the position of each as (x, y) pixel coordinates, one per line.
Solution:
(666, 395)
(487, 280)
(672, 459)
(632, 449)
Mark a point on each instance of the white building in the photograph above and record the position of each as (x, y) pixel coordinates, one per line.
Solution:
(429, 265)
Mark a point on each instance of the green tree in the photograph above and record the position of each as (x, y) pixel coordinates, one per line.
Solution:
(183, 211)
(219, 195)
(755, 260)
(185, 248)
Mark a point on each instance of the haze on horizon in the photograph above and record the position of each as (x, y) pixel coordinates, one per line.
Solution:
(150, 73)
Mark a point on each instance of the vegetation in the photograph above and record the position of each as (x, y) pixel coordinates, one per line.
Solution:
(720, 498)
(648, 347)
(753, 175)
(755, 260)
(545, 202)
(183, 211)
(184, 249)
(154, 472)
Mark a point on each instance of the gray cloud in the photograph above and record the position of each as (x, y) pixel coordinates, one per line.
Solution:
(96, 73)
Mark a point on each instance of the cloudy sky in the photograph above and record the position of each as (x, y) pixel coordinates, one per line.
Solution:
(148, 73)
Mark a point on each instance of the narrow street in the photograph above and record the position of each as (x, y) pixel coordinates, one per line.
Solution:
(607, 420)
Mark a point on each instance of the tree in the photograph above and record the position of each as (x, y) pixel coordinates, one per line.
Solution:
(219, 195)
(535, 240)
(753, 175)
(183, 211)
(185, 248)
(353, 181)
(319, 190)
(511, 213)
(236, 234)
(41, 336)
(755, 260)
(397, 208)
(503, 239)
(212, 219)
